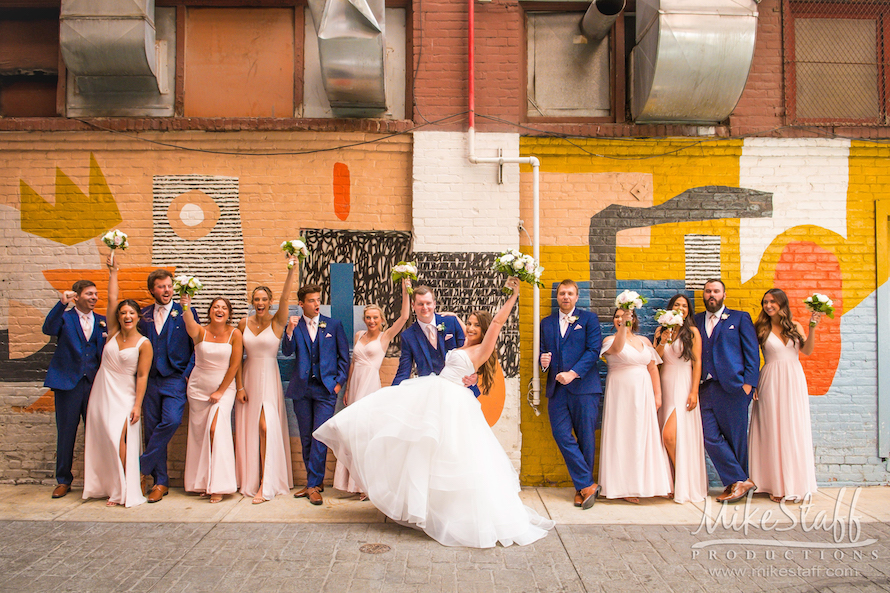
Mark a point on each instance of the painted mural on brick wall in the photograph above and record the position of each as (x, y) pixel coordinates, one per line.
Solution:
(661, 217)
(221, 228)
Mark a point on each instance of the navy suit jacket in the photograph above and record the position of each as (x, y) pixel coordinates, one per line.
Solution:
(180, 350)
(333, 356)
(417, 350)
(577, 351)
(74, 357)
(734, 349)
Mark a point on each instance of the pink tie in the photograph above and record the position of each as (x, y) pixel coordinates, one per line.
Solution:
(712, 321)
(159, 319)
(86, 326)
(431, 334)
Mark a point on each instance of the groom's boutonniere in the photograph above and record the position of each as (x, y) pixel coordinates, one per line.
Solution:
(174, 313)
(102, 324)
(441, 327)
(322, 324)
(724, 316)
(572, 319)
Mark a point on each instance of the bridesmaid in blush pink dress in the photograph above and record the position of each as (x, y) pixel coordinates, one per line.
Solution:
(679, 416)
(781, 439)
(262, 440)
(364, 372)
(114, 427)
(210, 452)
(633, 462)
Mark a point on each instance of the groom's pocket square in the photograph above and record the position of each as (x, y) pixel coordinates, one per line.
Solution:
(448, 336)
(577, 327)
(328, 336)
(731, 327)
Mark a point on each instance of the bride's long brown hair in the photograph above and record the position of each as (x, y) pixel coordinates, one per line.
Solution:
(763, 325)
(488, 369)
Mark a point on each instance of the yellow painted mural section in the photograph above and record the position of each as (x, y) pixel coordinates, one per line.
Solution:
(75, 216)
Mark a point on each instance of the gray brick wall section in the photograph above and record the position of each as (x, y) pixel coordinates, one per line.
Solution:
(845, 420)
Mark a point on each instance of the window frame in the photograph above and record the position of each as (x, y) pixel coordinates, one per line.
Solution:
(877, 12)
(617, 90)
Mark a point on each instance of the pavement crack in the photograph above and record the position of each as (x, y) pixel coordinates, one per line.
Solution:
(569, 556)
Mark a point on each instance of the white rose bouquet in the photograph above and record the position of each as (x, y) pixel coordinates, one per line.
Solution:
(630, 300)
(819, 303)
(115, 240)
(669, 320)
(519, 265)
(295, 248)
(189, 285)
(405, 269)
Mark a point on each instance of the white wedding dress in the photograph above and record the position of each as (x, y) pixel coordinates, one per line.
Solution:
(426, 457)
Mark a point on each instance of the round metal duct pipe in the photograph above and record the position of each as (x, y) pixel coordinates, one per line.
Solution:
(599, 18)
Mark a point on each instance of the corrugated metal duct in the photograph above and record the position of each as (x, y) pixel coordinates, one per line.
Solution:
(109, 45)
(351, 49)
(691, 60)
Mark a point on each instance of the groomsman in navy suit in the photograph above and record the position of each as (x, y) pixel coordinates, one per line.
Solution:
(319, 346)
(570, 347)
(425, 343)
(165, 393)
(81, 337)
(730, 369)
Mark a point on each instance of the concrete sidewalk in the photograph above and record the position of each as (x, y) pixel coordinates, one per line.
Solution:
(186, 544)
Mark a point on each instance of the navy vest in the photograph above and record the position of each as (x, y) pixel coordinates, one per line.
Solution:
(161, 360)
(91, 355)
(314, 357)
(707, 362)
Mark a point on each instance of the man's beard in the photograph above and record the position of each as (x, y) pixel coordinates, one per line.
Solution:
(716, 307)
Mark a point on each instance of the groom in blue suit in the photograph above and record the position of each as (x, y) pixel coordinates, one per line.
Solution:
(730, 369)
(322, 364)
(165, 393)
(80, 336)
(570, 347)
(426, 342)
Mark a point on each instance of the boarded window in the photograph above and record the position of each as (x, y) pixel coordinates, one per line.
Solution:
(567, 77)
(239, 62)
(29, 62)
(836, 70)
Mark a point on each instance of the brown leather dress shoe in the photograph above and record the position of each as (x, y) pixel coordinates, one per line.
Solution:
(143, 483)
(61, 490)
(727, 492)
(304, 492)
(314, 496)
(588, 495)
(578, 498)
(741, 491)
(157, 493)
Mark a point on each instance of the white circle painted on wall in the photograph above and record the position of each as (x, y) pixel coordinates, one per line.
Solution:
(191, 215)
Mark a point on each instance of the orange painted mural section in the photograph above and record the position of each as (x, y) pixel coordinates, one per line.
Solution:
(341, 190)
(802, 269)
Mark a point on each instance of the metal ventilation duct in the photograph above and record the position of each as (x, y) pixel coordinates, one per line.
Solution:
(109, 45)
(599, 18)
(351, 49)
(691, 60)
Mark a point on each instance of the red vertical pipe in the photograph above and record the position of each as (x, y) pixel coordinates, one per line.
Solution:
(471, 71)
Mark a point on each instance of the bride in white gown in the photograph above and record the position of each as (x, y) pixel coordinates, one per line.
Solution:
(427, 458)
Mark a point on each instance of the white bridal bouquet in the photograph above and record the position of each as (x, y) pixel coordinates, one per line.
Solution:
(405, 269)
(819, 303)
(630, 300)
(115, 240)
(295, 248)
(520, 265)
(189, 285)
(668, 320)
